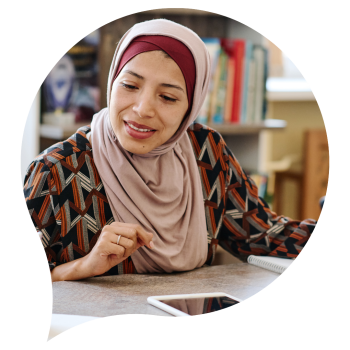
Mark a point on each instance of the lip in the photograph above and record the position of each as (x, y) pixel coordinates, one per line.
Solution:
(140, 126)
(138, 134)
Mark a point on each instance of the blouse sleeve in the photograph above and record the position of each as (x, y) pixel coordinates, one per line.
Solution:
(40, 201)
(249, 227)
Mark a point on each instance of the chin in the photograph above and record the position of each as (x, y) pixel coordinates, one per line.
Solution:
(136, 149)
(140, 152)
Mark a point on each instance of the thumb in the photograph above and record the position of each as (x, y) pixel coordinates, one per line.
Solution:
(145, 238)
(150, 243)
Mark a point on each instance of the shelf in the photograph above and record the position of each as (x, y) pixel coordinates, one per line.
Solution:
(59, 132)
(288, 89)
(246, 129)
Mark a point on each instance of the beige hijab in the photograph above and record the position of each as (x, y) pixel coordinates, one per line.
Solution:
(160, 190)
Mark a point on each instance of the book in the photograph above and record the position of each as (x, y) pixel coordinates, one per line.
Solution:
(270, 263)
(237, 87)
(260, 82)
(266, 74)
(239, 53)
(235, 49)
(227, 46)
(245, 80)
(214, 47)
(219, 94)
(229, 89)
(214, 89)
(249, 118)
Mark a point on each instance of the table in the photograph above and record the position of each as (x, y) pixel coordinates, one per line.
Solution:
(127, 294)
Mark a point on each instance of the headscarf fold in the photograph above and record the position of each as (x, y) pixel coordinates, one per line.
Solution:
(160, 190)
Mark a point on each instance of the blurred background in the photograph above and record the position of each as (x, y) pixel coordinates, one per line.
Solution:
(258, 101)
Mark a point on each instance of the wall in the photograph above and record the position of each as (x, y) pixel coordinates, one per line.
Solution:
(300, 116)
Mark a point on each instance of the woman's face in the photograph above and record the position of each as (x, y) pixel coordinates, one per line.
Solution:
(148, 102)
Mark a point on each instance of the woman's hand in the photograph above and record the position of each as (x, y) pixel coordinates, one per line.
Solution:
(107, 252)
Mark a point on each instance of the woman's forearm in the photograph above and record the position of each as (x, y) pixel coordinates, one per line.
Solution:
(71, 271)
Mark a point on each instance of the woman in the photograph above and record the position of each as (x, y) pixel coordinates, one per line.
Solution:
(146, 189)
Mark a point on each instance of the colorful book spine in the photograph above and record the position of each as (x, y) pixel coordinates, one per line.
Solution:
(245, 84)
(220, 93)
(229, 89)
(237, 88)
(251, 93)
(214, 91)
(227, 45)
(213, 46)
(258, 54)
(239, 52)
(266, 74)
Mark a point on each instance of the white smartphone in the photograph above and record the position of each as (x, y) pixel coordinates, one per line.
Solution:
(193, 304)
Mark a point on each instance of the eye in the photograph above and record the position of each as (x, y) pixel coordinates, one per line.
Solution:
(167, 98)
(129, 87)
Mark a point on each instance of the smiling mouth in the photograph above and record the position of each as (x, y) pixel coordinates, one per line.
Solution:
(138, 132)
(132, 126)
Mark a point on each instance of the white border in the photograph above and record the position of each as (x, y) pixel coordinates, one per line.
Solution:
(157, 301)
(62, 322)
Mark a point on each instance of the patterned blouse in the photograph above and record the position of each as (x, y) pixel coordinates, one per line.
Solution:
(68, 205)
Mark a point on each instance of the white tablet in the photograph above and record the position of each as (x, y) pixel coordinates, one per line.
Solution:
(193, 304)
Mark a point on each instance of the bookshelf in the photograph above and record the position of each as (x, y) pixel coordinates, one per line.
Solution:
(59, 132)
(245, 141)
(246, 129)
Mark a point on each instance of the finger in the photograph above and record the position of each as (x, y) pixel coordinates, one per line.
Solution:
(128, 244)
(112, 249)
(144, 237)
(112, 233)
(128, 237)
(115, 236)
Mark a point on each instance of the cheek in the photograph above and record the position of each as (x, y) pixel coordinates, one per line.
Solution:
(114, 115)
(172, 125)
(118, 104)
(170, 121)
(113, 105)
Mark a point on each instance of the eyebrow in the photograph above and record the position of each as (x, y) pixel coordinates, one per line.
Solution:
(164, 84)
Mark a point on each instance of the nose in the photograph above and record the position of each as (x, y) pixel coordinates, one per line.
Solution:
(145, 105)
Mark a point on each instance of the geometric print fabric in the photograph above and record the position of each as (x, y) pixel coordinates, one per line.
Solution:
(237, 219)
(68, 205)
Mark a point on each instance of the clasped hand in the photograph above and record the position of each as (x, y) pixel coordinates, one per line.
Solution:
(107, 252)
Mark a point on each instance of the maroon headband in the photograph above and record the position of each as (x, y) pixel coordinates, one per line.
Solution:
(174, 48)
